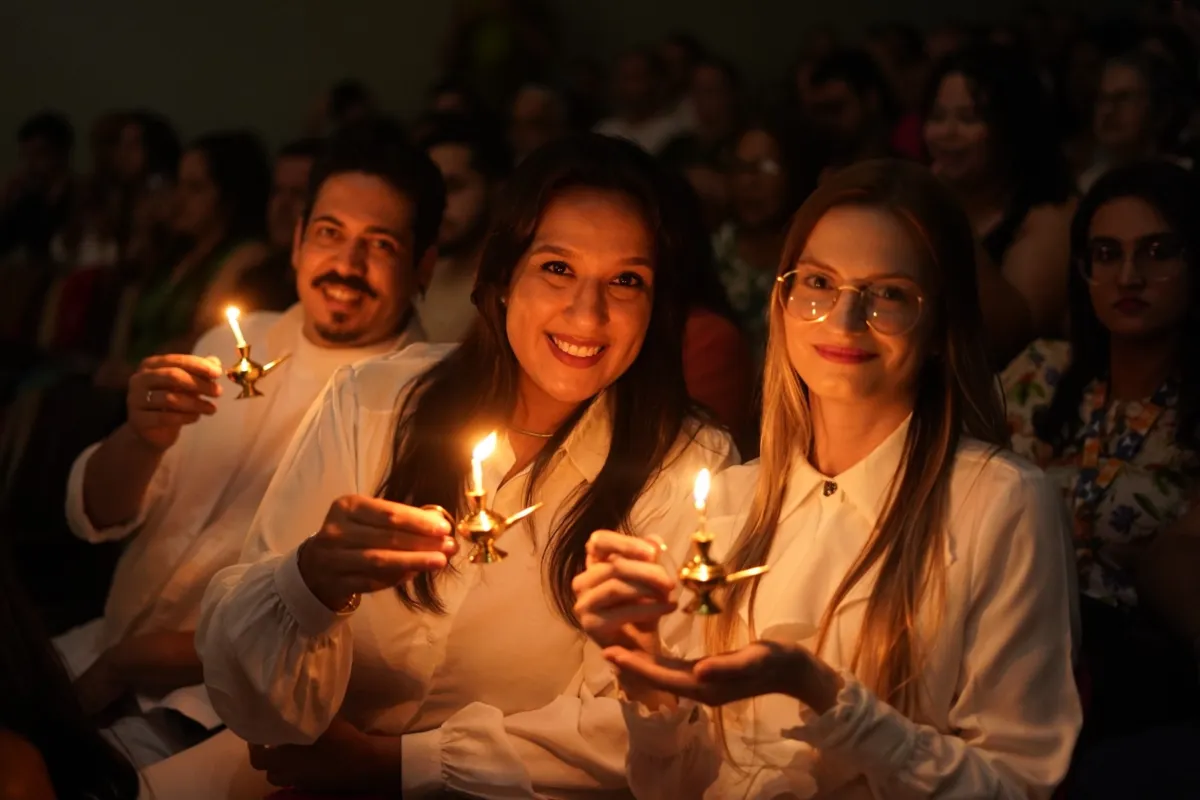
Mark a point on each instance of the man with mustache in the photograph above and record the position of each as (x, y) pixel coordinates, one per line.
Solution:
(185, 474)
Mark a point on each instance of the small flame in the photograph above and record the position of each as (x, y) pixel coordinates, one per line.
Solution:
(485, 448)
(232, 313)
(703, 481)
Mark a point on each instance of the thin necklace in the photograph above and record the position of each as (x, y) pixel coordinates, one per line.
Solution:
(524, 432)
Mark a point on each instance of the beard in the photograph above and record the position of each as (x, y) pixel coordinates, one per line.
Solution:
(339, 332)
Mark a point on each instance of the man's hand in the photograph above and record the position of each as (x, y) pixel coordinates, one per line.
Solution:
(168, 392)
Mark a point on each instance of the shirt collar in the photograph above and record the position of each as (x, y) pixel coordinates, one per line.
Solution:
(587, 445)
(866, 484)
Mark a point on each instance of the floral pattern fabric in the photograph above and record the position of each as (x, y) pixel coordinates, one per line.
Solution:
(1151, 489)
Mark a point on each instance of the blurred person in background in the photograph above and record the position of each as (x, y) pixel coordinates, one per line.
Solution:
(990, 138)
(538, 116)
(703, 155)
(36, 201)
(271, 286)
(640, 116)
(474, 162)
(768, 179)
(851, 107)
(1140, 113)
(900, 52)
(679, 54)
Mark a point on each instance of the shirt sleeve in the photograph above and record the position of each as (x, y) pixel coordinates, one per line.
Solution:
(77, 516)
(1017, 713)
(577, 742)
(276, 660)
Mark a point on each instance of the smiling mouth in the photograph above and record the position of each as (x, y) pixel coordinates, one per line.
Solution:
(342, 294)
(575, 350)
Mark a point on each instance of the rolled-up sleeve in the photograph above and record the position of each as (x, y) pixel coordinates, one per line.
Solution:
(77, 516)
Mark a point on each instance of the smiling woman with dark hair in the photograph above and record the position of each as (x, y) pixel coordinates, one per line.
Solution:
(375, 638)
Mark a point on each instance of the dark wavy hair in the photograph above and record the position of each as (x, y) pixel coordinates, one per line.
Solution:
(1174, 193)
(38, 703)
(1010, 98)
(475, 387)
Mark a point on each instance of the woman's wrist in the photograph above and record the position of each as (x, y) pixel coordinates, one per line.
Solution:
(810, 680)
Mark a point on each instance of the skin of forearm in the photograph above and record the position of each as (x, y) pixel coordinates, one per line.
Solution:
(157, 663)
(116, 478)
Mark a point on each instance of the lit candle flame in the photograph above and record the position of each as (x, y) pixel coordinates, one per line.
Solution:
(482, 450)
(232, 315)
(703, 481)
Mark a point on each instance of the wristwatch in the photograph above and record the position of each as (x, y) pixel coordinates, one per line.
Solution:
(351, 603)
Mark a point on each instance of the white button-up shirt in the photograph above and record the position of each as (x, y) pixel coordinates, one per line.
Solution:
(196, 511)
(499, 696)
(1001, 712)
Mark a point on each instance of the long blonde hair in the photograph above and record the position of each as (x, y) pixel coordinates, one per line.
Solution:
(956, 397)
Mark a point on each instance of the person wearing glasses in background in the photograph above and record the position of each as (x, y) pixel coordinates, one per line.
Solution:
(767, 183)
(913, 635)
(1114, 415)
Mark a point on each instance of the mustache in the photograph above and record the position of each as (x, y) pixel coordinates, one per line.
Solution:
(355, 282)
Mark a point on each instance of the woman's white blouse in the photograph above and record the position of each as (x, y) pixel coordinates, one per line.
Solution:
(498, 697)
(1000, 709)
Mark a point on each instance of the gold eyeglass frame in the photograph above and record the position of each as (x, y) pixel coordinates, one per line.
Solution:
(783, 301)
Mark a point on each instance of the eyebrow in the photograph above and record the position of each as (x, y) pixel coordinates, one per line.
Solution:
(376, 229)
(544, 248)
(812, 262)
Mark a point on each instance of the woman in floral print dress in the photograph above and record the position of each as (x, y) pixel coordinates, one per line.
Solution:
(1114, 414)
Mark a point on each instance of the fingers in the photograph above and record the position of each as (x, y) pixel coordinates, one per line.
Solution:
(637, 614)
(195, 365)
(615, 593)
(347, 572)
(603, 545)
(669, 675)
(175, 402)
(622, 569)
(378, 513)
(351, 535)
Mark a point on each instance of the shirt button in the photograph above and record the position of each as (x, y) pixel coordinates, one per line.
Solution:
(830, 488)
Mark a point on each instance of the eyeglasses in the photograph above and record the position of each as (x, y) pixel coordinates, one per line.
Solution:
(1158, 257)
(891, 306)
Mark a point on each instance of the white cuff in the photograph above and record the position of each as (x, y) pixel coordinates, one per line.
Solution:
(421, 762)
(313, 616)
(879, 736)
(661, 732)
(77, 517)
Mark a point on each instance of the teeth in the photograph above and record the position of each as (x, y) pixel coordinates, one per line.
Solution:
(341, 293)
(575, 350)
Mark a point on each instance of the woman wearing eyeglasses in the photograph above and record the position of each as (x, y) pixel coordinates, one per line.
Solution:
(1114, 415)
(913, 635)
